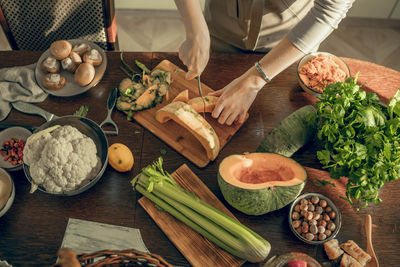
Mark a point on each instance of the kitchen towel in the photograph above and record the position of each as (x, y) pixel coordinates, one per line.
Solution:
(18, 84)
(86, 237)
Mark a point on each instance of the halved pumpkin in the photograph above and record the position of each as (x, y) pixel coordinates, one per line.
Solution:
(258, 183)
(182, 96)
(184, 115)
(207, 105)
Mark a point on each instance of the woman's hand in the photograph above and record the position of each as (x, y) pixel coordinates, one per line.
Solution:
(195, 50)
(194, 53)
(236, 98)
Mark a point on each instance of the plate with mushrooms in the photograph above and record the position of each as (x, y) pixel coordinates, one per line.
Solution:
(70, 67)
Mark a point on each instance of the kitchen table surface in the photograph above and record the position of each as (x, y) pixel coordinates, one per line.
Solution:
(32, 230)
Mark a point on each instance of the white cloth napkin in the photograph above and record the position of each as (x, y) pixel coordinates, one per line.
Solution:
(18, 84)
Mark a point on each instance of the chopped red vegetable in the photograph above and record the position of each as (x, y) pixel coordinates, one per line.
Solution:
(12, 150)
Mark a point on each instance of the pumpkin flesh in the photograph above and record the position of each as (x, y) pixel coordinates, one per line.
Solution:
(253, 171)
(259, 183)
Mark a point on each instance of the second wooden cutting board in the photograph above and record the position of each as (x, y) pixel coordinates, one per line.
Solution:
(175, 135)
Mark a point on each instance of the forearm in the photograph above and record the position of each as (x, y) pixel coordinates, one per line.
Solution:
(278, 59)
(192, 17)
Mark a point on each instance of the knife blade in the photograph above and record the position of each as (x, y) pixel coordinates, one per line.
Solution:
(201, 95)
(32, 109)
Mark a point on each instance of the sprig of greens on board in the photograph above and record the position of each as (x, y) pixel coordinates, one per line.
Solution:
(361, 139)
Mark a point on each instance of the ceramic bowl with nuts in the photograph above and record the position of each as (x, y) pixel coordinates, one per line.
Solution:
(314, 218)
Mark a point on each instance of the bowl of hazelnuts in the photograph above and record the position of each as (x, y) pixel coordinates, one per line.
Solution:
(70, 67)
(314, 218)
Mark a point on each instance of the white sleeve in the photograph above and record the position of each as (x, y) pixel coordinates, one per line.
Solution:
(320, 21)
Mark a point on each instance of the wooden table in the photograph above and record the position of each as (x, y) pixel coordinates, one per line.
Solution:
(32, 230)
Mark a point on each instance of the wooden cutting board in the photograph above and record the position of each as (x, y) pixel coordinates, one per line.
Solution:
(175, 135)
(195, 248)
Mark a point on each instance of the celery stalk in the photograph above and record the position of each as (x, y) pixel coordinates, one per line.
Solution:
(178, 215)
(218, 227)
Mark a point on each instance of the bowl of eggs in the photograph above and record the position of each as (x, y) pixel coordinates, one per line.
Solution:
(70, 67)
(317, 70)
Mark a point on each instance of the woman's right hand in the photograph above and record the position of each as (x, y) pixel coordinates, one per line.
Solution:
(194, 52)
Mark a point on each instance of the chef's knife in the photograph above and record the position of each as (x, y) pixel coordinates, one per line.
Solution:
(32, 109)
(201, 95)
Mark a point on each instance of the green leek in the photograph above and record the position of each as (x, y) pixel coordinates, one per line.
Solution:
(221, 229)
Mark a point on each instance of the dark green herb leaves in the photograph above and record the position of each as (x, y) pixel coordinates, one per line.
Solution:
(361, 139)
(82, 111)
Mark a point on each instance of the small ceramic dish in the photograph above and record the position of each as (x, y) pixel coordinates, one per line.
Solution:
(307, 58)
(72, 88)
(8, 134)
(7, 191)
(314, 209)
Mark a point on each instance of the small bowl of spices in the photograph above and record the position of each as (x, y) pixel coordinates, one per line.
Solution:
(12, 141)
(314, 218)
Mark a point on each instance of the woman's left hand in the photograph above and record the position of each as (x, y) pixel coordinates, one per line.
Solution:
(236, 98)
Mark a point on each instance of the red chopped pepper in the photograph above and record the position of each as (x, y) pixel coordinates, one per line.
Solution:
(12, 150)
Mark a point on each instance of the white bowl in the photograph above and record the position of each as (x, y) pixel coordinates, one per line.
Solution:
(7, 134)
(7, 187)
(342, 65)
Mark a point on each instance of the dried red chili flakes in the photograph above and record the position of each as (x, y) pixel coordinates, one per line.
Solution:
(12, 150)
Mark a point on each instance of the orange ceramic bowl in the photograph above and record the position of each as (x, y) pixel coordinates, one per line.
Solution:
(339, 63)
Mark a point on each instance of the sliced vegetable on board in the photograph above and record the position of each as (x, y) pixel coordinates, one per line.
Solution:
(142, 90)
(186, 116)
(224, 231)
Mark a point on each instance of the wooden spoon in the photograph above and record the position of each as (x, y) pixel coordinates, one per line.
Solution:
(370, 249)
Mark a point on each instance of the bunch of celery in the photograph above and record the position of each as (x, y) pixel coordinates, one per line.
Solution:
(224, 231)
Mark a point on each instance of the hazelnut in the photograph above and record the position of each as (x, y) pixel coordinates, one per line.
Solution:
(321, 237)
(322, 223)
(309, 236)
(298, 230)
(332, 215)
(331, 226)
(296, 223)
(321, 229)
(315, 200)
(304, 201)
(312, 222)
(313, 229)
(328, 233)
(326, 217)
(311, 207)
(304, 207)
(295, 215)
(304, 228)
(323, 203)
(309, 216)
(319, 210)
(328, 209)
(297, 208)
(316, 216)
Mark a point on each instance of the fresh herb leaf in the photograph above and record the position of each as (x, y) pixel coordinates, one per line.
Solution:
(82, 111)
(361, 139)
